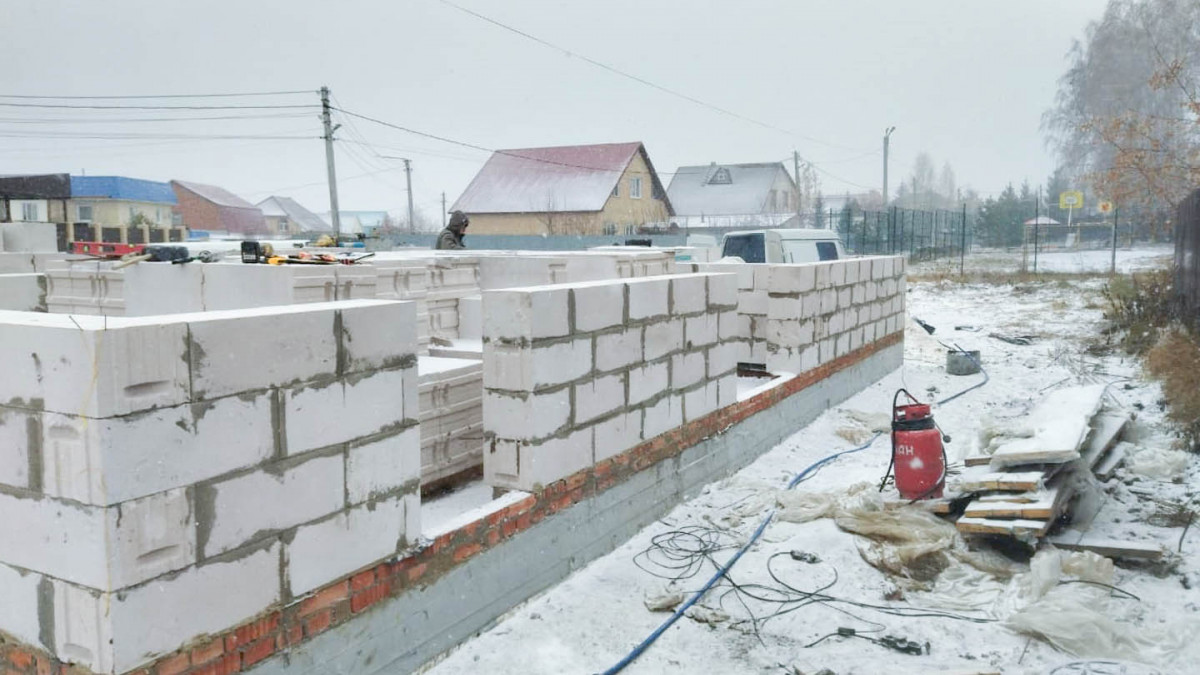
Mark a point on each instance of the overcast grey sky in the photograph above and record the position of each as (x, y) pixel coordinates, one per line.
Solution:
(966, 81)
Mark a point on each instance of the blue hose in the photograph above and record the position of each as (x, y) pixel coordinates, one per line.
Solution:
(645, 644)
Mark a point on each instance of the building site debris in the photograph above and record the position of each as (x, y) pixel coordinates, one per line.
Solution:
(1021, 340)
(1074, 540)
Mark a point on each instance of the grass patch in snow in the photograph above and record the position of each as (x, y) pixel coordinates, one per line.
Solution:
(1175, 360)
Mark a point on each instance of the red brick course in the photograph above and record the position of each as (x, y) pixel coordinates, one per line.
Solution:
(336, 603)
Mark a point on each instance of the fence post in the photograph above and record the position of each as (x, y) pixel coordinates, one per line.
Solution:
(962, 247)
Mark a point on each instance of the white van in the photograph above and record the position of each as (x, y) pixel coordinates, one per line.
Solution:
(782, 246)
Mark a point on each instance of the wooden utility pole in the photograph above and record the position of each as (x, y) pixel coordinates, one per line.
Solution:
(412, 226)
(443, 210)
(334, 216)
(796, 168)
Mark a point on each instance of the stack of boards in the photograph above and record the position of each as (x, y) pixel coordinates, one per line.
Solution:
(1026, 481)
(451, 415)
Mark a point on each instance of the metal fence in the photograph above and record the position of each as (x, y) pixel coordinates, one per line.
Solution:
(1187, 257)
(919, 234)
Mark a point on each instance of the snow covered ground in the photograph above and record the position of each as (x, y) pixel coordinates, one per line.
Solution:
(591, 620)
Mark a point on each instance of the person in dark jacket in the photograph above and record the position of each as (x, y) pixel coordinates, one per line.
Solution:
(452, 236)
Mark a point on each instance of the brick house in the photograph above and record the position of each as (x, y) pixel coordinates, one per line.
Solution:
(208, 207)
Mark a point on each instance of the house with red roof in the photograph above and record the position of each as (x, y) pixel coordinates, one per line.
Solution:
(208, 207)
(609, 188)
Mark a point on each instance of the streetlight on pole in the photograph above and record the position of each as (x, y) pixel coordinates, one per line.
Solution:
(887, 135)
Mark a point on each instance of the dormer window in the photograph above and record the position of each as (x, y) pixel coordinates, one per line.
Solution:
(721, 177)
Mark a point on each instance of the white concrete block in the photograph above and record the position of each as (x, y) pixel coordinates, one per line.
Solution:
(647, 382)
(116, 459)
(835, 323)
(60, 539)
(19, 604)
(260, 503)
(722, 359)
(824, 277)
(533, 417)
(242, 350)
(561, 362)
(689, 294)
(648, 297)
(700, 331)
(377, 335)
(790, 278)
(843, 344)
(599, 397)
(758, 352)
(618, 350)
(812, 305)
(318, 417)
(662, 416)
(700, 401)
(829, 301)
(828, 350)
(507, 366)
(352, 540)
(501, 463)
(23, 292)
(687, 369)
(617, 435)
(878, 269)
(791, 333)
(555, 459)
(845, 294)
(785, 307)
(662, 338)
(856, 338)
(727, 390)
(17, 429)
(83, 628)
(157, 618)
(733, 325)
(150, 537)
(507, 315)
(753, 302)
(810, 357)
(598, 305)
(837, 273)
(722, 290)
(876, 311)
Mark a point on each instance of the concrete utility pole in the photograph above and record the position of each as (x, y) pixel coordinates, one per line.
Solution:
(412, 226)
(887, 135)
(333, 197)
(796, 167)
(443, 210)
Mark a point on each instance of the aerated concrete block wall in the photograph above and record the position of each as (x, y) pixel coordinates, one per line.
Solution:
(576, 373)
(150, 289)
(751, 306)
(818, 312)
(23, 292)
(163, 478)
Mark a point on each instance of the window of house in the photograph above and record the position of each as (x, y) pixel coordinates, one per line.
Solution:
(83, 213)
(617, 190)
(635, 187)
(721, 177)
(29, 212)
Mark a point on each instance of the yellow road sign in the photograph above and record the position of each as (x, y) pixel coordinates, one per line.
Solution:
(1105, 207)
(1071, 199)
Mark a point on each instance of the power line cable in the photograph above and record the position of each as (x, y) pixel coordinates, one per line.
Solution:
(138, 120)
(641, 80)
(92, 106)
(156, 96)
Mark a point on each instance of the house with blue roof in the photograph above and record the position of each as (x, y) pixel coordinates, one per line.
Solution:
(117, 200)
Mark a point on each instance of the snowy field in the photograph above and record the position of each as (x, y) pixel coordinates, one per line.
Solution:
(1065, 260)
(590, 621)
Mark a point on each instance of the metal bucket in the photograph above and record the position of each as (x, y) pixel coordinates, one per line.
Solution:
(962, 363)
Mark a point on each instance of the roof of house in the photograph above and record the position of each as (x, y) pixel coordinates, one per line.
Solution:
(293, 211)
(217, 195)
(35, 186)
(356, 222)
(540, 180)
(120, 187)
(725, 189)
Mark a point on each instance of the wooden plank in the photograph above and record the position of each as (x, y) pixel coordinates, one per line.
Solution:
(1110, 548)
(1020, 528)
(1107, 428)
(1059, 425)
(978, 460)
(1015, 481)
(1048, 506)
(1114, 459)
